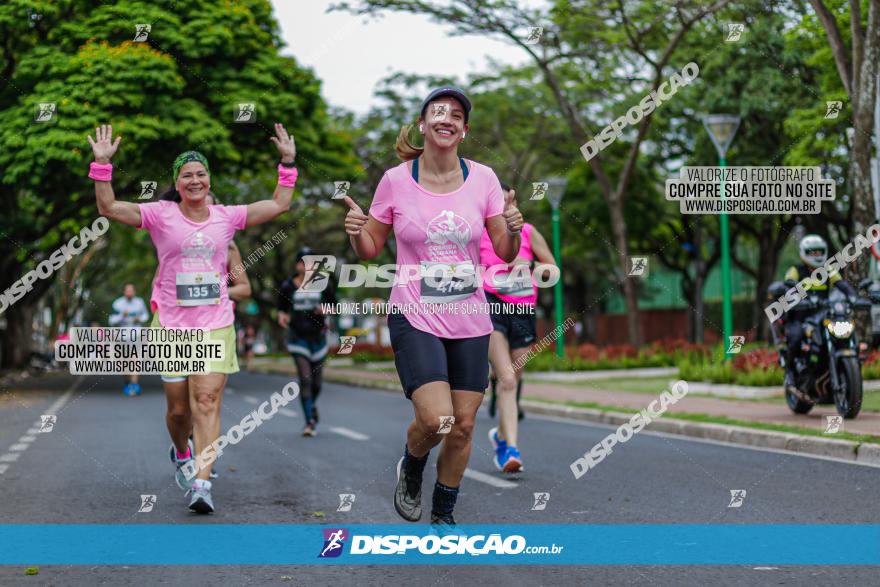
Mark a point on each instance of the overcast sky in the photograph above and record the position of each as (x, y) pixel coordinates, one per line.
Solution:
(350, 55)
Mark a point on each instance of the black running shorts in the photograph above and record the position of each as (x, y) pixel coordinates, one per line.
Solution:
(421, 358)
(515, 321)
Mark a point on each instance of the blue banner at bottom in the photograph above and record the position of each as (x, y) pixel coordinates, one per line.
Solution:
(276, 544)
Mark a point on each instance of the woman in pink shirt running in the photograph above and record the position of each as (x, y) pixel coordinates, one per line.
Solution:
(438, 205)
(192, 240)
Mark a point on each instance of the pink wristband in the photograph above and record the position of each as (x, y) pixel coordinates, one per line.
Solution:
(101, 171)
(287, 176)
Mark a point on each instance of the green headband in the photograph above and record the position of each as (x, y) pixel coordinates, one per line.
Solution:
(185, 158)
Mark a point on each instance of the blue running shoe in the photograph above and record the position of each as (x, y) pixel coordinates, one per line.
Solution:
(512, 461)
(127, 390)
(499, 446)
(135, 389)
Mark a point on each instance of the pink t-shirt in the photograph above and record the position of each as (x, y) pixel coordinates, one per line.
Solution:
(517, 287)
(190, 289)
(438, 249)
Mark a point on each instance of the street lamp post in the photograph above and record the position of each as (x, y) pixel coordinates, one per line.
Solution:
(722, 128)
(555, 189)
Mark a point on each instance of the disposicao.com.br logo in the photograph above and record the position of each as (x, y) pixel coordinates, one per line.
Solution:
(449, 544)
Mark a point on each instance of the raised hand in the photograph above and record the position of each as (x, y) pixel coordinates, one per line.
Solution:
(355, 219)
(512, 215)
(103, 145)
(284, 142)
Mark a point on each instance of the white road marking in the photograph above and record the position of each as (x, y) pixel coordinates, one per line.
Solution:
(287, 412)
(347, 432)
(489, 479)
(251, 399)
(24, 442)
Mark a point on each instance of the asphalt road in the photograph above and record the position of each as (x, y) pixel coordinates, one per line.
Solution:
(106, 450)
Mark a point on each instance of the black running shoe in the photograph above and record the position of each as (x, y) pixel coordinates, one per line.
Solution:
(442, 520)
(408, 495)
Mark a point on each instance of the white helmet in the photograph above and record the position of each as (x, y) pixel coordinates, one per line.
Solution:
(813, 250)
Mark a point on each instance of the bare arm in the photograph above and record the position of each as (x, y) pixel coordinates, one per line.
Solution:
(505, 244)
(540, 249)
(103, 147)
(240, 286)
(366, 234)
(266, 210)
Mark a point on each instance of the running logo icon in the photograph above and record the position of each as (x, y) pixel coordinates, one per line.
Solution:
(734, 32)
(147, 503)
(346, 345)
(148, 189)
(534, 36)
(737, 496)
(446, 423)
(141, 32)
(246, 112)
(334, 540)
(341, 189)
(47, 422)
(318, 267)
(833, 108)
(541, 500)
(346, 500)
(736, 344)
(539, 190)
(44, 111)
(833, 424)
(439, 112)
(638, 266)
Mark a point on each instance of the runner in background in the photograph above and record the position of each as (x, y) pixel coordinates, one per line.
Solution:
(438, 205)
(129, 310)
(192, 243)
(299, 311)
(511, 293)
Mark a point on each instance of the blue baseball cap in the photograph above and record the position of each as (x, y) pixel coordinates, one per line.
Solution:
(453, 92)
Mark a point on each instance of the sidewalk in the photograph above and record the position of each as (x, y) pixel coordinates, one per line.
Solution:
(767, 413)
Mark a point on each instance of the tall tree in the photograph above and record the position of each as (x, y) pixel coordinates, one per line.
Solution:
(627, 50)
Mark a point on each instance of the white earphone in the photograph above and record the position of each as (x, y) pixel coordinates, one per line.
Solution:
(421, 128)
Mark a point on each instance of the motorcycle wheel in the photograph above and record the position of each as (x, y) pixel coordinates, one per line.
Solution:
(795, 404)
(849, 400)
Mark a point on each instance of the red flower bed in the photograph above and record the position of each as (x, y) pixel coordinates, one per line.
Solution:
(756, 359)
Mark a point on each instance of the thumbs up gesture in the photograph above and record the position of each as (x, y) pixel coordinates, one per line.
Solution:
(512, 215)
(355, 219)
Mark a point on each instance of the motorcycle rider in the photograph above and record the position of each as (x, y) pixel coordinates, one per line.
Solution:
(813, 251)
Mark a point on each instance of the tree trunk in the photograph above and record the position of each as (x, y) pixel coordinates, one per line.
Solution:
(630, 292)
(16, 338)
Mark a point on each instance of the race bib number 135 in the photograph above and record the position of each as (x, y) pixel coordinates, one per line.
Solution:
(198, 288)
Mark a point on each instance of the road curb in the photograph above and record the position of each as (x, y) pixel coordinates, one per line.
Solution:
(814, 445)
(864, 452)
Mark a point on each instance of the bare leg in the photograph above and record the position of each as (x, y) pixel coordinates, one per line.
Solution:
(206, 399)
(499, 356)
(456, 450)
(178, 418)
(430, 402)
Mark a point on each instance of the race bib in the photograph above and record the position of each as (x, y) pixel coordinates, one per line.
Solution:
(447, 282)
(517, 283)
(200, 288)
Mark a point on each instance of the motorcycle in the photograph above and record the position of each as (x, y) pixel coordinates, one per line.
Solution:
(831, 372)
